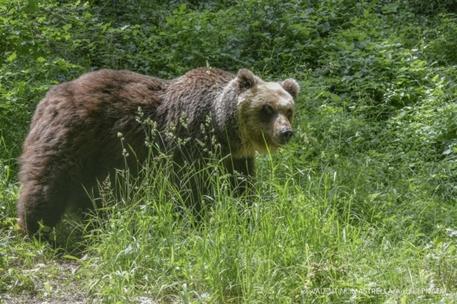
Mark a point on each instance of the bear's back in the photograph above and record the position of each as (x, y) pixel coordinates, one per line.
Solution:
(99, 93)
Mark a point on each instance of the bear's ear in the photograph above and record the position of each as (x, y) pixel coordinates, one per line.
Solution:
(246, 79)
(291, 86)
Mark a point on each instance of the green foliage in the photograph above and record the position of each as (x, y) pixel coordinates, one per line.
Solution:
(432, 6)
(442, 41)
(362, 201)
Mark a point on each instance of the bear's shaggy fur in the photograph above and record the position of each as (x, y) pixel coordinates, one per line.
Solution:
(74, 142)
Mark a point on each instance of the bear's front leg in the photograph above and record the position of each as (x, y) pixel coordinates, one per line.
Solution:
(40, 203)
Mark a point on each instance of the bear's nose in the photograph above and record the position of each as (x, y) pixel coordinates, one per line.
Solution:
(286, 135)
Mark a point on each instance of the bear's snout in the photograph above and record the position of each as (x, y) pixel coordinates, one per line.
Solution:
(285, 135)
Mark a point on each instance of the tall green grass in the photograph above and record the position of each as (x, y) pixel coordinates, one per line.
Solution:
(302, 238)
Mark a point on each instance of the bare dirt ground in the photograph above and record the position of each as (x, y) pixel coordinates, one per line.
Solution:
(62, 287)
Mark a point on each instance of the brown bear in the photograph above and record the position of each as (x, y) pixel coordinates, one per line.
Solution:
(74, 142)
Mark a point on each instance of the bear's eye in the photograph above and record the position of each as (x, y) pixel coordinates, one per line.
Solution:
(267, 110)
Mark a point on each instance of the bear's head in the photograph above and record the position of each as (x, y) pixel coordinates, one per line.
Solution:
(265, 112)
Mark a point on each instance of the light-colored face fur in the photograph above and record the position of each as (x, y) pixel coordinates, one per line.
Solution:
(265, 112)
